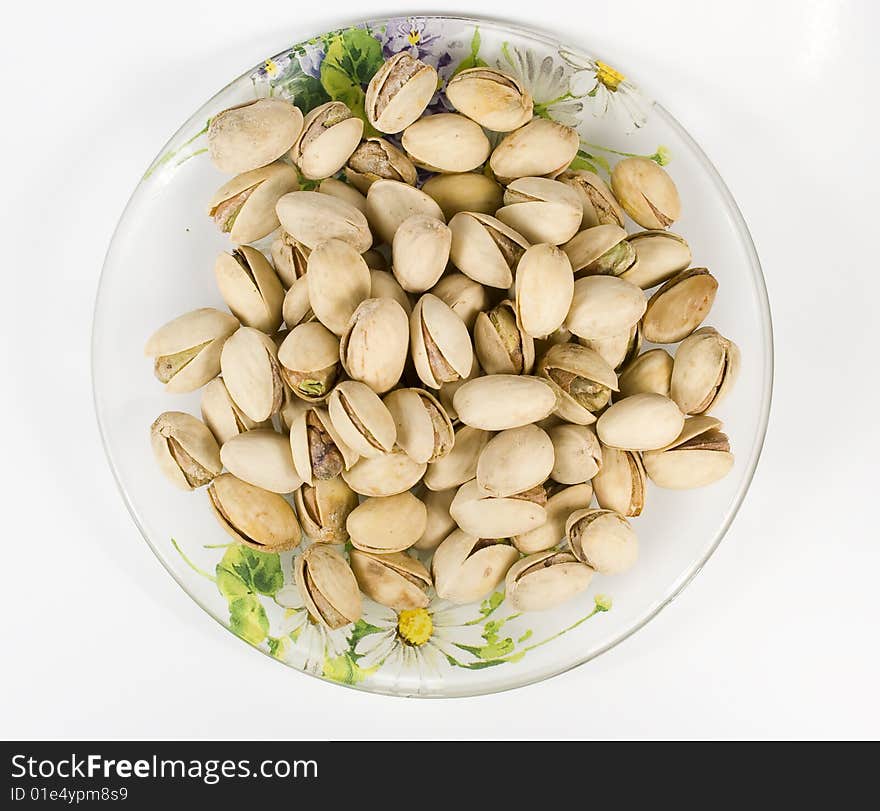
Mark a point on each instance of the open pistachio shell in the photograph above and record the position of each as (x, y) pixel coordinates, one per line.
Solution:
(397, 580)
(620, 483)
(252, 135)
(439, 521)
(424, 430)
(601, 250)
(330, 134)
(361, 418)
(495, 100)
(296, 308)
(603, 539)
(465, 297)
(262, 458)
(249, 362)
(561, 503)
(327, 586)
(498, 402)
(186, 351)
(490, 517)
(377, 159)
(641, 422)
(343, 191)
(319, 453)
(502, 346)
(387, 524)
(289, 257)
(485, 249)
(440, 343)
(460, 464)
(679, 306)
(646, 192)
(514, 461)
(597, 202)
(700, 455)
(250, 288)
(581, 380)
(420, 252)
(399, 92)
(660, 255)
(385, 475)
(540, 148)
(244, 208)
(469, 191)
(544, 290)
(467, 568)
(384, 285)
(323, 508)
(649, 372)
(617, 349)
(390, 203)
(185, 449)
(312, 218)
(446, 142)
(603, 306)
(222, 416)
(542, 210)
(309, 358)
(545, 580)
(339, 280)
(705, 368)
(253, 516)
(576, 453)
(375, 343)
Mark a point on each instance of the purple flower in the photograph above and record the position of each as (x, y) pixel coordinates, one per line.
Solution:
(311, 58)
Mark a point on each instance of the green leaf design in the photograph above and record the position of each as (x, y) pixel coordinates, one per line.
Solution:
(248, 619)
(278, 646)
(306, 91)
(472, 60)
(244, 570)
(352, 57)
(345, 670)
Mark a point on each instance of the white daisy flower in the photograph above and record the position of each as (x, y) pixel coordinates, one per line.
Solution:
(547, 82)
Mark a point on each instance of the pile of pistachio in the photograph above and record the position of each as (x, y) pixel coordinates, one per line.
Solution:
(440, 377)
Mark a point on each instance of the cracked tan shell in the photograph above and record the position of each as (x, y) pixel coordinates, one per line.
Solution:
(263, 458)
(253, 134)
(679, 306)
(384, 475)
(700, 455)
(649, 372)
(185, 449)
(542, 210)
(361, 419)
(338, 280)
(543, 291)
(540, 148)
(440, 343)
(603, 306)
(646, 192)
(704, 371)
(561, 503)
(387, 524)
(485, 249)
(327, 586)
(341, 190)
(603, 539)
(390, 203)
(468, 191)
(377, 159)
(289, 257)
(309, 358)
(244, 207)
(602, 250)
(319, 452)
(597, 202)
(222, 416)
(494, 99)
(399, 92)
(620, 483)
(420, 252)
(253, 516)
(514, 461)
(460, 464)
(465, 297)
(375, 344)
(642, 422)
(323, 508)
(576, 452)
(249, 363)
(497, 402)
(467, 568)
(618, 349)
(330, 134)
(446, 142)
(250, 288)
(311, 218)
(660, 254)
(424, 430)
(439, 521)
(581, 380)
(501, 345)
(396, 580)
(296, 307)
(490, 517)
(186, 351)
(384, 285)
(545, 580)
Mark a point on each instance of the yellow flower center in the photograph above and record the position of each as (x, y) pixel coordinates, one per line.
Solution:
(608, 76)
(271, 67)
(414, 38)
(414, 626)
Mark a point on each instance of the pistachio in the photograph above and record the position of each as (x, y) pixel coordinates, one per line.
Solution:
(542, 210)
(540, 148)
(467, 568)
(561, 503)
(700, 455)
(576, 453)
(377, 159)
(446, 142)
(544, 290)
(312, 218)
(465, 297)
(493, 99)
(296, 307)
(323, 508)
(319, 453)
(514, 461)
(581, 380)
(374, 346)
(498, 402)
(485, 249)
(420, 252)
(649, 372)
(185, 449)
(396, 579)
(244, 207)
(620, 482)
(659, 256)
(545, 580)
(558, 336)
(617, 349)
(460, 464)
(387, 524)
(602, 250)
(469, 191)
(440, 344)
(338, 280)
(309, 358)
(439, 521)
(646, 192)
(384, 475)
(262, 458)
(222, 416)
(330, 134)
(641, 422)
(424, 430)
(361, 418)
(390, 203)
(491, 517)
(603, 539)
(253, 516)
(384, 285)
(250, 288)
(186, 351)
(705, 368)
(328, 586)
(253, 134)
(679, 306)
(399, 92)
(341, 190)
(289, 257)
(597, 202)
(502, 346)
(249, 362)
(603, 306)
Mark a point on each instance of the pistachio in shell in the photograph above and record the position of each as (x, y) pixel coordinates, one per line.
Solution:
(346, 192)
(699, 456)
(467, 191)
(185, 449)
(361, 419)
(620, 482)
(387, 524)
(498, 402)
(390, 203)
(467, 568)
(384, 285)
(222, 416)
(309, 358)
(385, 475)
(460, 464)
(491, 517)
(323, 508)
(399, 92)
(562, 501)
(602, 250)
(465, 297)
(576, 452)
(296, 308)
(597, 202)
(544, 289)
(616, 350)
(440, 343)
(485, 249)
(660, 255)
(514, 461)
(377, 159)
(424, 430)
(311, 218)
(263, 458)
(641, 422)
(439, 522)
(646, 192)
(704, 371)
(249, 363)
(446, 142)
(319, 453)
(396, 580)
(542, 210)
(328, 586)
(250, 288)
(501, 344)
(679, 306)
(545, 580)
(603, 539)
(289, 257)
(420, 252)
(330, 134)
(603, 306)
(492, 98)
(375, 343)
(581, 380)
(338, 280)
(649, 372)
(541, 148)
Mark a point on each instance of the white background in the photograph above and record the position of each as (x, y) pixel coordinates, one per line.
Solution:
(778, 637)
